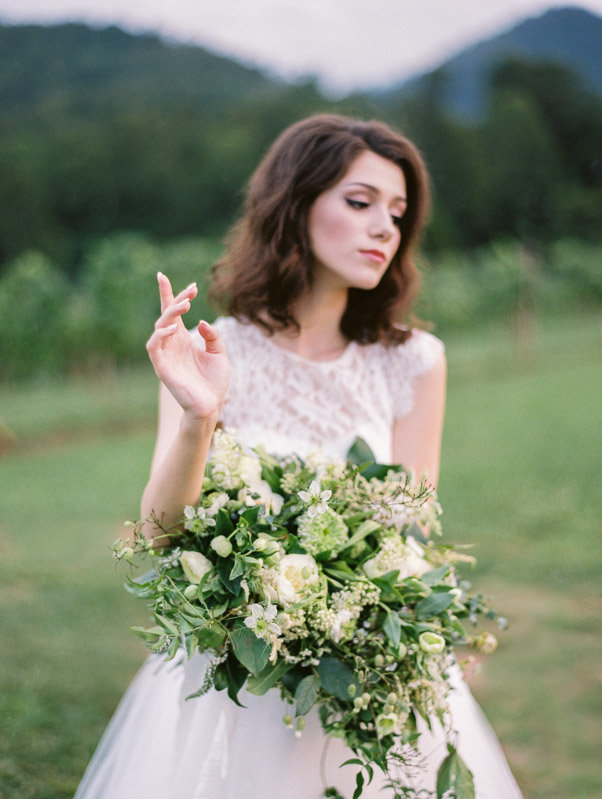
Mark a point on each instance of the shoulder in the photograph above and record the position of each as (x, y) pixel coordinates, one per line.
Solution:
(416, 369)
(421, 352)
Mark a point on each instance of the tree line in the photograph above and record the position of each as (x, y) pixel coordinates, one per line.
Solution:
(529, 167)
(103, 320)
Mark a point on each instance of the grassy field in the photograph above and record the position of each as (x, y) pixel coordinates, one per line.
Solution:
(521, 457)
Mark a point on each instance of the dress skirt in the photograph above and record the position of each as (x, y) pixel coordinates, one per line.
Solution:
(159, 745)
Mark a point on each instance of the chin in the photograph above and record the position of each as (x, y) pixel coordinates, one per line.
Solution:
(366, 283)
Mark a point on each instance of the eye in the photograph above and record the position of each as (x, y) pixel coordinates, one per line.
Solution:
(397, 220)
(358, 205)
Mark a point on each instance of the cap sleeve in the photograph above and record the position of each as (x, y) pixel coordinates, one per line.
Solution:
(408, 361)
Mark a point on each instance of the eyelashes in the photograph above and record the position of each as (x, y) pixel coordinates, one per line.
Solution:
(359, 205)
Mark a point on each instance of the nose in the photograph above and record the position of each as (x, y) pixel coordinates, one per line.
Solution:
(382, 226)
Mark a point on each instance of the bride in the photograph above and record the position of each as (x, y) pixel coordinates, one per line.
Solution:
(317, 280)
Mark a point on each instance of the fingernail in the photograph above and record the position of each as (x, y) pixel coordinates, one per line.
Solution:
(171, 327)
(159, 274)
(190, 286)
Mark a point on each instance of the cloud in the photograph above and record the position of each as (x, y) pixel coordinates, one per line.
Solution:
(347, 43)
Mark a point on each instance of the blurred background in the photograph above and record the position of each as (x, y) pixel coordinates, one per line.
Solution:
(126, 138)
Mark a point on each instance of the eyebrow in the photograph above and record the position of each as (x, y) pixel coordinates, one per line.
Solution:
(374, 190)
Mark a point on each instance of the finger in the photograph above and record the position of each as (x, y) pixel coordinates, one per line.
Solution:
(213, 340)
(159, 336)
(189, 292)
(173, 313)
(165, 290)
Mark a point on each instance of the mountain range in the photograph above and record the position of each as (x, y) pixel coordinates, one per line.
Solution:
(568, 36)
(72, 67)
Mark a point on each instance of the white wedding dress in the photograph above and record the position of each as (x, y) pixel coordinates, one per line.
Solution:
(160, 746)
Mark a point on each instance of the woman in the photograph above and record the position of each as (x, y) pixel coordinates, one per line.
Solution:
(317, 279)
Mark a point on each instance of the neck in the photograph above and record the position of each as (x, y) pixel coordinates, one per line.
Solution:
(319, 315)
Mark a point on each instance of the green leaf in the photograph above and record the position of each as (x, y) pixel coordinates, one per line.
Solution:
(454, 775)
(392, 628)
(250, 650)
(306, 694)
(272, 477)
(341, 574)
(251, 515)
(435, 575)
(359, 452)
(390, 577)
(292, 678)
(336, 678)
(173, 649)
(261, 683)
(359, 785)
(150, 634)
(433, 604)
(238, 569)
(167, 624)
(231, 675)
(365, 528)
(142, 586)
(293, 546)
(379, 470)
(219, 609)
(210, 637)
(388, 592)
(190, 643)
(223, 523)
(223, 570)
(185, 625)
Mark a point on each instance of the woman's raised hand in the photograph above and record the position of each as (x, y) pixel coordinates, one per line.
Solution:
(196, 377)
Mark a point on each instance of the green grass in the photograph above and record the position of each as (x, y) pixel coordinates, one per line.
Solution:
(123, 399)
(519, 463)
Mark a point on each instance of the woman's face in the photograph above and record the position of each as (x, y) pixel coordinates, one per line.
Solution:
(354, 225)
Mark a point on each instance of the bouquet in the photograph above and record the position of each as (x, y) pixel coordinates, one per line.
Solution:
(314, 576)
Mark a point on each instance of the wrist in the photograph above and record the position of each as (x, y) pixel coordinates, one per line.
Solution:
(202, 426)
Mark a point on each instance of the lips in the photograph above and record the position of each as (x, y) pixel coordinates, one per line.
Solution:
(374, 255)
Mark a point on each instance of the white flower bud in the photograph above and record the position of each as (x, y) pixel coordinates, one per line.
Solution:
(195, 566)
(191, 591)
(222, 546)
(431, 643)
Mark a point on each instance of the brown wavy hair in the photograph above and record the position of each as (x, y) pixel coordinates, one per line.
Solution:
(268, 262)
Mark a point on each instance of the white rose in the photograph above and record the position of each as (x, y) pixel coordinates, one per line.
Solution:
(285, 591)
(266, 496)
(249, 470)
(195, 566)
(397, 556)
(291, 578)
(413, 566)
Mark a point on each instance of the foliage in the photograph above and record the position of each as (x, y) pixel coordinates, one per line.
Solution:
(307, 576)
(34, 302)
(135, 134)
(104, 318)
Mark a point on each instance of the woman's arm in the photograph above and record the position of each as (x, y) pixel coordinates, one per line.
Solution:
(417, 436)
(194, 382)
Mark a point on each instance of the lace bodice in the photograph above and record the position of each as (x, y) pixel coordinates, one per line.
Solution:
(291, 404)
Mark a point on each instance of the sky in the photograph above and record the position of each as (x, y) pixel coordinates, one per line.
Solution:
(345, 44)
